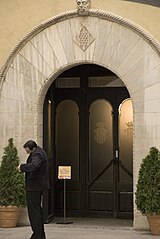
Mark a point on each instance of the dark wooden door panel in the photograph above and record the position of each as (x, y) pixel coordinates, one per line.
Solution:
(101, 184)
(101, 201)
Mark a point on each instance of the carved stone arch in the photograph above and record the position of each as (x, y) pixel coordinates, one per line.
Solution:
(67, 40)
(71, 14)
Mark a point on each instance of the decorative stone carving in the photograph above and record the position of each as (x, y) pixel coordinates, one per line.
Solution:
(70, 14)
(84, 38)
(83, 6)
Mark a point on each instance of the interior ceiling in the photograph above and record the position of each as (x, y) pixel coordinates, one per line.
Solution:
(155, 3)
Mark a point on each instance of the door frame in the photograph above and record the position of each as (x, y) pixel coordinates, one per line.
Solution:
(92, 92)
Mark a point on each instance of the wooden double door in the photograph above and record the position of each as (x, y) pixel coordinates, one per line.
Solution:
(90, 129)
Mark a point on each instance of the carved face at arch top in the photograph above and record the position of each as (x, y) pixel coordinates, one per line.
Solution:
(83, 6)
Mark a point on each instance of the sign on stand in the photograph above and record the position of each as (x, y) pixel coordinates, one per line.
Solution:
(64, 172)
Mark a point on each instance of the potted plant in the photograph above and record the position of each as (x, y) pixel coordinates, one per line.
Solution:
(12, 193)
(148, 189)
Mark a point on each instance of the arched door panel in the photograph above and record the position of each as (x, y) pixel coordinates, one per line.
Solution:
(100, 168)
(91, 130)
(125, 165)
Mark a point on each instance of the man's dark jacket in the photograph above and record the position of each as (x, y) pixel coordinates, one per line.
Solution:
(36, 169)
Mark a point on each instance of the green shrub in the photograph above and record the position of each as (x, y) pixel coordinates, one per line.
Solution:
(12, 192)
(148, 186)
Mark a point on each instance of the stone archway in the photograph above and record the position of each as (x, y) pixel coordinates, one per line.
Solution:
(68, 40)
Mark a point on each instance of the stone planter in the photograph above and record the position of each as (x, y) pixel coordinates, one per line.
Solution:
(154, 223)
(9, 216)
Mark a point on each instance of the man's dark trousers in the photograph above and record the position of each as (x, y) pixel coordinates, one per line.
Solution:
(34, 199)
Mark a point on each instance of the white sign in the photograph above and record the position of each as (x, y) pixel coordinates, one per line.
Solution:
(64, 172)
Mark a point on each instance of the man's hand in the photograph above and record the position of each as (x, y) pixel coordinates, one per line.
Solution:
(18, 168)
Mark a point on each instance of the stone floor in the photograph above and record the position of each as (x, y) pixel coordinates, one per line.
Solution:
(82, 229)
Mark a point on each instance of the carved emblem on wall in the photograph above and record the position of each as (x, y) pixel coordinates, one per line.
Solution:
(101, 134)
(84, 38)
(83, 6)
(129, 127)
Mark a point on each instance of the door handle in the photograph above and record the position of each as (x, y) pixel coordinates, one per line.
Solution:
(117, 154)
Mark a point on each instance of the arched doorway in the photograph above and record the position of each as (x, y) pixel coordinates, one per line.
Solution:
(88, 122)
(52, 47)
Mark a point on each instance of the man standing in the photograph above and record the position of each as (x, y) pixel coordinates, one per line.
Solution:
(36, 180)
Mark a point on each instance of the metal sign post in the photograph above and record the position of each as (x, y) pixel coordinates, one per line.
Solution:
(64, 172)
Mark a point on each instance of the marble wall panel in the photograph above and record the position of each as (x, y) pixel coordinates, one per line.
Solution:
(31, 56)
(158, 131)
(143, 118)
(143, 82)
(152, 106)
(103, 32)
(146, 132)
(116, 33)
(139, 50)
(56, 44)
(42, 45)
(148, 94)
(146, 64)
(125, 45)
(65, 34)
